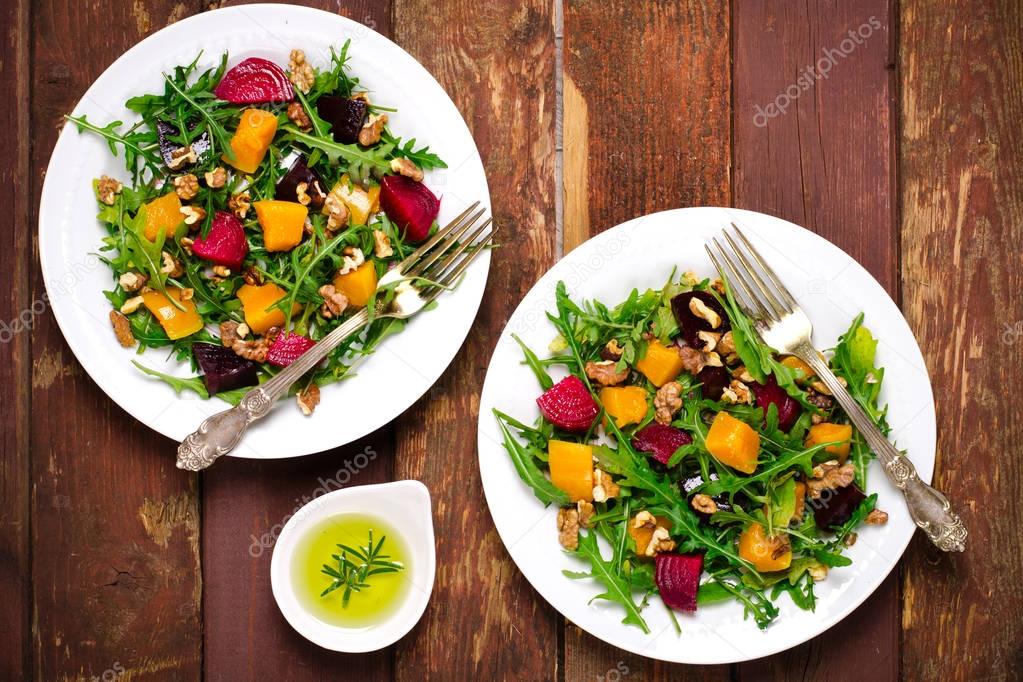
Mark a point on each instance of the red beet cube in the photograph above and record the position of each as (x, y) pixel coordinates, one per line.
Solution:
(660, 440)
(678, 579)
(770, 393)
(225, 244)
(287, 348)
(255, 81)
(569, 405)
(410, 205)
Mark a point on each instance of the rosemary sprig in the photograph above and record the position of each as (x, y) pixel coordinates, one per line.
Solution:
(356, 565)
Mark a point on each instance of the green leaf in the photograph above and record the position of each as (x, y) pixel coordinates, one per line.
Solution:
(361, 162)
(527, 469)
(534, 364)
(618, 589)
(179, 384)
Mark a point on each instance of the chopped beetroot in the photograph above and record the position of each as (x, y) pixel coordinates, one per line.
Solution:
(713, 381)
(569, 405)
(222, 369)
(225, 244)
(770, 393)
(287, 348)
(287, 186)
(345, 116)
(660, 440)
(255, 81)
(678, 579)
(690, 324)
(836, 506)
(410, 205)
(165, 132)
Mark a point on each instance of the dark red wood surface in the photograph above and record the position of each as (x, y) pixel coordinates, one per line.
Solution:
(905, 152)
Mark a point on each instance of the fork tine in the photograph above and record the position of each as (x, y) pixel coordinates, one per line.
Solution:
(460, 267)
(432, 241)
(452, 238)
(436, 272)
(740, 276)
(781, 289)
(766, 295)
(736, 286)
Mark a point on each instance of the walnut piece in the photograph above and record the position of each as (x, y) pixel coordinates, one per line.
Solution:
(726, 344)
(132, 281)
(403, 166)
(181, 157)
(585, 510)
(667, 402)
(660, 541)
(818, 572)
(876, 517)
(131, 305)
(122, 329)
(107, 189)
(371, 131)
(334, 302)
(308, 398)
(193, 214)
(297, 115)
(710, 340)
(382, 244)
(221, 271)
(229, 333)
(612, 351)
(186, 186)
(239, 204)
(718, 285)
(829, 476)
(692, 360)
(568, 529)
(337, 213)
(603, 487)
(353, 258)
(300, 72)
(737, 393)
(254, 349)
(742, 374)
(216, 178)
(700, 309)
(820, 386)
(704, 503)
(171, 266)
(605, 374)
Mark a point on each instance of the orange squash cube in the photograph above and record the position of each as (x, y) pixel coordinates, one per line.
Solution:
(283, 223)
(826, 432)
(642, 535)
(733, 442)
(803, 371)
(176, 322)
(256, 302)
(255, 132)
(625, 404)
(762, 551)
(660, 364)
(571, 469)
(163, 213)
(358, 285)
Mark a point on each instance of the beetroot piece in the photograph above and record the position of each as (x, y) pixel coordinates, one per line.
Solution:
(255, 81)
(225, 244)
(222, 369)
(714, 380)
(569, 405)
(678, 578)
(165, 131)
(690, 324)
(410, 205)
(835, 506)
(771, 393)
(287, 348)
(287, 186)
(660, 440)
(345, 116)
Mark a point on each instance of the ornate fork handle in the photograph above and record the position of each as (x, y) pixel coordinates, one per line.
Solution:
(929, 508)
(221, 432)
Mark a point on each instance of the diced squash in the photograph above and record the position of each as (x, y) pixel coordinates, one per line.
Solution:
(571, 469)
(359, 284)
(176, 322)
(733, 442)
(374, 198)
(255, 132)
(641, 536)
(803, 372)
(163, 213)
(359, 202)
(625, 404)
(256, 302)
(283, 223)
(660, 364)
(797, 515)
(765, 553)
(826, 432)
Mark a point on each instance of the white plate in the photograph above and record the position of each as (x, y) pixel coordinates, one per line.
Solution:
(832, 288)
(388, 382)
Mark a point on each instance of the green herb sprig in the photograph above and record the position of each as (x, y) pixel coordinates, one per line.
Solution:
(355, 566)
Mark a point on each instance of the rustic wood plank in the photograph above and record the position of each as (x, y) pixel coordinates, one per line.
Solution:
(245, 505)
(962, 223)
(15, 360)
(115, 526)
(822, 158)
(646, 128)
(497, 61)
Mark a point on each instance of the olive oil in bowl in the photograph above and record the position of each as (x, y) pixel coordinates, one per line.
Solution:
(352, 603)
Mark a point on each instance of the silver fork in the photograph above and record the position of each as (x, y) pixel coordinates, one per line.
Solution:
(417, 280)
(784, 326)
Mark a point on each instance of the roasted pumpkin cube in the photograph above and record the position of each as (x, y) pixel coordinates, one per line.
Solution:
(803, 371)
(661, 364)
(826, 432)
(163, 213)
(283, 223)
(256, 306)
(625, 404)
(766, 553)
(571, 469)
(733, 442)
(176, 322)
(358, 285)
(256, 130)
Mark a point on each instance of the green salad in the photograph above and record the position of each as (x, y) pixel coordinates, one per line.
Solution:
(260, 206)
(712, 467)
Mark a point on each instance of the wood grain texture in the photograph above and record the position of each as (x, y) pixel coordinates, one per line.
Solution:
(15, 362)
(813, 144)
(246, 503)
(646, 128)
(497, 61)
(961, 72)
(115, 527)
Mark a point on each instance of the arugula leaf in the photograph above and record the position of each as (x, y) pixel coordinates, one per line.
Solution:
(527, 469)
(179, 384)
(422, 157)
(534, 364)
(617, 588)
(361, 162)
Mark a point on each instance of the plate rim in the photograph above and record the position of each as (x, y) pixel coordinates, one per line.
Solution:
(841, 613)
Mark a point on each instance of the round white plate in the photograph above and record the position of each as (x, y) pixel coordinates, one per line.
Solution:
(389, 381)
(641, 253)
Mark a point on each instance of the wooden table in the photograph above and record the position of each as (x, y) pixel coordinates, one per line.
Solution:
(891, 128)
